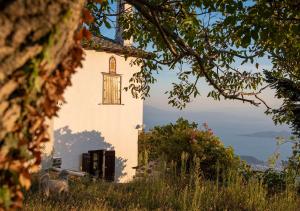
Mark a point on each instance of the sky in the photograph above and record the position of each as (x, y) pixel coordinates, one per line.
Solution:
(165, 78)
(229, 119)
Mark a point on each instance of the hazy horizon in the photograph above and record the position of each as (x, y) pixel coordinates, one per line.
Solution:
(228, 119)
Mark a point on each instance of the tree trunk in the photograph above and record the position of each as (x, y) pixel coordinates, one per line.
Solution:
(38, 54)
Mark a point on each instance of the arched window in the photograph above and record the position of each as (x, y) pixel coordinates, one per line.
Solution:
(112, 65)
(112, 84)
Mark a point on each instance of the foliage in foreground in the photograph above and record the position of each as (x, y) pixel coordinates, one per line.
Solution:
(38, 56)
(168, 192)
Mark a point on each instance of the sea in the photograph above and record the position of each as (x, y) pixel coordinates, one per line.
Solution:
(248, 135)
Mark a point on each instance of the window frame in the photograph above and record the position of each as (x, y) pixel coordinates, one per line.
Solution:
(113, 75)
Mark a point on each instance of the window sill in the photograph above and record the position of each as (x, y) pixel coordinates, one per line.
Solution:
(112, 74)
(111, 104)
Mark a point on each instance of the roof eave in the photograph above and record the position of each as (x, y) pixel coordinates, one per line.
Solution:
(107, 45)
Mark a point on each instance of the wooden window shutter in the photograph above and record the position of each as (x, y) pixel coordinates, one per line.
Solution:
(111, 89)
(109, 173)
(85, 162)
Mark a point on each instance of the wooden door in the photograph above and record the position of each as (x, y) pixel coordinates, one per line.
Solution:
(109, 174)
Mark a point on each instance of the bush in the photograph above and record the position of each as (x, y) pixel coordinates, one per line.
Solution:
(169, 142)
(274, 181)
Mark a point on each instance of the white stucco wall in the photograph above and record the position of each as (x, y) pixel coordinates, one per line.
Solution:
(84, 123)
(47, 147)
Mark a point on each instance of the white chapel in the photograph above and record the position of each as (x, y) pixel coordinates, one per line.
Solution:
(99, 115)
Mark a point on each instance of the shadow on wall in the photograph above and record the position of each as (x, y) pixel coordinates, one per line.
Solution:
(70, 146)
(47, 161)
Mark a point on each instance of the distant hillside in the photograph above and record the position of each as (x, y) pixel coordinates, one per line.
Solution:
(269, 134)
(252, 160)
(154, 116)
(259, 165)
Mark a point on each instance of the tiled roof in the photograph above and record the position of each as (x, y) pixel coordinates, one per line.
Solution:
(108, 45)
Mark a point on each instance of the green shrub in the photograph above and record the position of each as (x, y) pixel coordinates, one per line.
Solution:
(169, 142)
(274, 181)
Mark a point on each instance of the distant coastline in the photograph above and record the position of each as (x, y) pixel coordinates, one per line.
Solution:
(251, 160)
(259, 165)
(269, 134)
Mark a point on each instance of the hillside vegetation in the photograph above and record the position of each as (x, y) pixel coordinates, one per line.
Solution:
(167, 192)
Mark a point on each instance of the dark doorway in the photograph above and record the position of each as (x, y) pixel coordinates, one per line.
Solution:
(100, 163)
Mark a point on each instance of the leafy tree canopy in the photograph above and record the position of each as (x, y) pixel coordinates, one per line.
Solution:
(214, 39)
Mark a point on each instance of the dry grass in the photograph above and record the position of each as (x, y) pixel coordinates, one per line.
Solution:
(167, 192)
